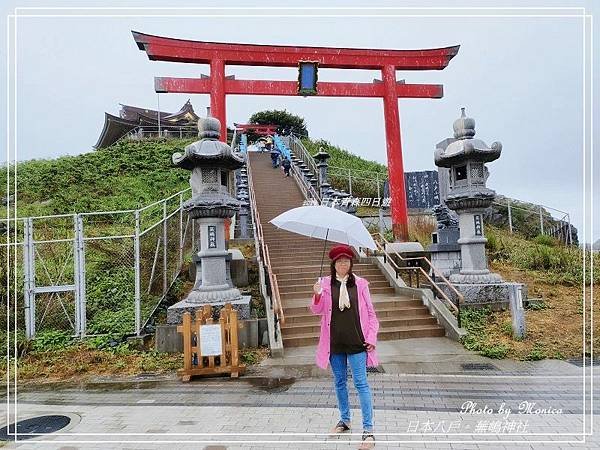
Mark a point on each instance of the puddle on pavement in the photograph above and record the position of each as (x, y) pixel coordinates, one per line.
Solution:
(271, 384)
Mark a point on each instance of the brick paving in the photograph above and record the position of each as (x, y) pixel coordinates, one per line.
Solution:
(410, 411)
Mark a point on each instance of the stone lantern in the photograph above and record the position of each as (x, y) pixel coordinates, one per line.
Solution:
(322, 165)
(465, 157)
(211, 163)
(469, 196)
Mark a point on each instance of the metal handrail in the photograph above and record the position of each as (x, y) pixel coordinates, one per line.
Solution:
(233, 139)
(298, 148)
(375, 172)
(309, 192)
(460, 298)
(276, 305)
(187, 129)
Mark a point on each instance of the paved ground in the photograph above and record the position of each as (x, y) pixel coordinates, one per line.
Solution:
(411, 409)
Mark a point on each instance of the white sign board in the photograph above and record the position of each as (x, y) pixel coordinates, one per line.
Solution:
(210, 340)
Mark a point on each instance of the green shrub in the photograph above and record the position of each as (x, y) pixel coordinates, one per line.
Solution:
(497, 351)
(556, 263)
(544, 239)
(507, 328)
(52, 340)
(23, 344)
(114, 323)
(474, 321)
(537, 305)
(536, 353)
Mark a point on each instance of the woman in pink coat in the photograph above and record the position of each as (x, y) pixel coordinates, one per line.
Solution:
(348, 336)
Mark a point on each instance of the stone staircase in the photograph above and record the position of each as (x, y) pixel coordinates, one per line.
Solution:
(296, 260)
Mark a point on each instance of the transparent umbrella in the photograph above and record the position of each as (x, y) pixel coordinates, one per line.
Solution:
(329, 224)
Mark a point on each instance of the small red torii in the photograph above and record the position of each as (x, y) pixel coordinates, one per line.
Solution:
(261, 130)
(218, 55)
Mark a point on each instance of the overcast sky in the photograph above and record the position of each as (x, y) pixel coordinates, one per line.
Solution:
(520, 78)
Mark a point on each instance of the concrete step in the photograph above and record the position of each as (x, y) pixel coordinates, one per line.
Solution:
(386, 334)
(283, 246)
(403, 304)
(299, 253)
(403, 312)
(371, 275)
(307, 244)
(292, 248)
(308, 293)
(292, 329)
(297, 287)
(281, 204)
(278, 208)
(312, 268)
(291, 257)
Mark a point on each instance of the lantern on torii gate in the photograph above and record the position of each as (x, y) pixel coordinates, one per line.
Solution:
(307, 59)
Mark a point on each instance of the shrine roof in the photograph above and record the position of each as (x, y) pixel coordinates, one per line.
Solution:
(114, 129)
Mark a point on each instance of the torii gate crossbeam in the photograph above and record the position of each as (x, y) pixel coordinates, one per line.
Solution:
(218, 55)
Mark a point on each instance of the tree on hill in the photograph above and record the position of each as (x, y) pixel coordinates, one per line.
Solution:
(285, 121)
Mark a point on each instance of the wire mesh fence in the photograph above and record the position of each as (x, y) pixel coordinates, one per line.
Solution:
(11, 279)
(81, 273)
(109, 283)
(532, 220)
(54, 308)
(358, 183)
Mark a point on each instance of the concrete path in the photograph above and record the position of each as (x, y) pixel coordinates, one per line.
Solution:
(411, 410)
(419, 355)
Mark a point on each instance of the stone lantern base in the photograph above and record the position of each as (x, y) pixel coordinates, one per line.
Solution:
(175, 312)
(495, 295)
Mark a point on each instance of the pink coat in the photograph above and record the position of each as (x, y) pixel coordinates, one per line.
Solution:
(368, 320)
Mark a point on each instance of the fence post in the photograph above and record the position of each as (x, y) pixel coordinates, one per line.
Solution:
(136, 244)
(180, 230)
(510, 227)
(570, 234)
(164, 247)
(541, 222)
(79, 260)
(29, 275)
(350, 181)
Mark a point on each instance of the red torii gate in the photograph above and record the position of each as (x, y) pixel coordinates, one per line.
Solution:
(217, 55)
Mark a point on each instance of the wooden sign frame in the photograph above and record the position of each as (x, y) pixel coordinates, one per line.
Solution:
(196, 364)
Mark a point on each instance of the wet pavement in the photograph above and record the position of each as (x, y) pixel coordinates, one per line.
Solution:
(439, 396)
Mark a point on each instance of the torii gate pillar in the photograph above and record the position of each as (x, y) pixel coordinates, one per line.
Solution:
(394, 154)
(217, 94)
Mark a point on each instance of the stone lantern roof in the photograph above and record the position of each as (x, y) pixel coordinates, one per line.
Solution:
(464, 147)
(208, 152)
(321, 156)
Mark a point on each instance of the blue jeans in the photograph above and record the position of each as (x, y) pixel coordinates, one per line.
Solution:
(358, 366)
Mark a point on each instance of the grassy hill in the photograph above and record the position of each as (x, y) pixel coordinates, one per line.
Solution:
(130, 175)
(127, 175)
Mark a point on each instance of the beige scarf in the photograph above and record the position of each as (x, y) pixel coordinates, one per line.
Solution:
(344, 301)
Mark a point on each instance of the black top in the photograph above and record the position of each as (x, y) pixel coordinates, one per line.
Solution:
(345, 330)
